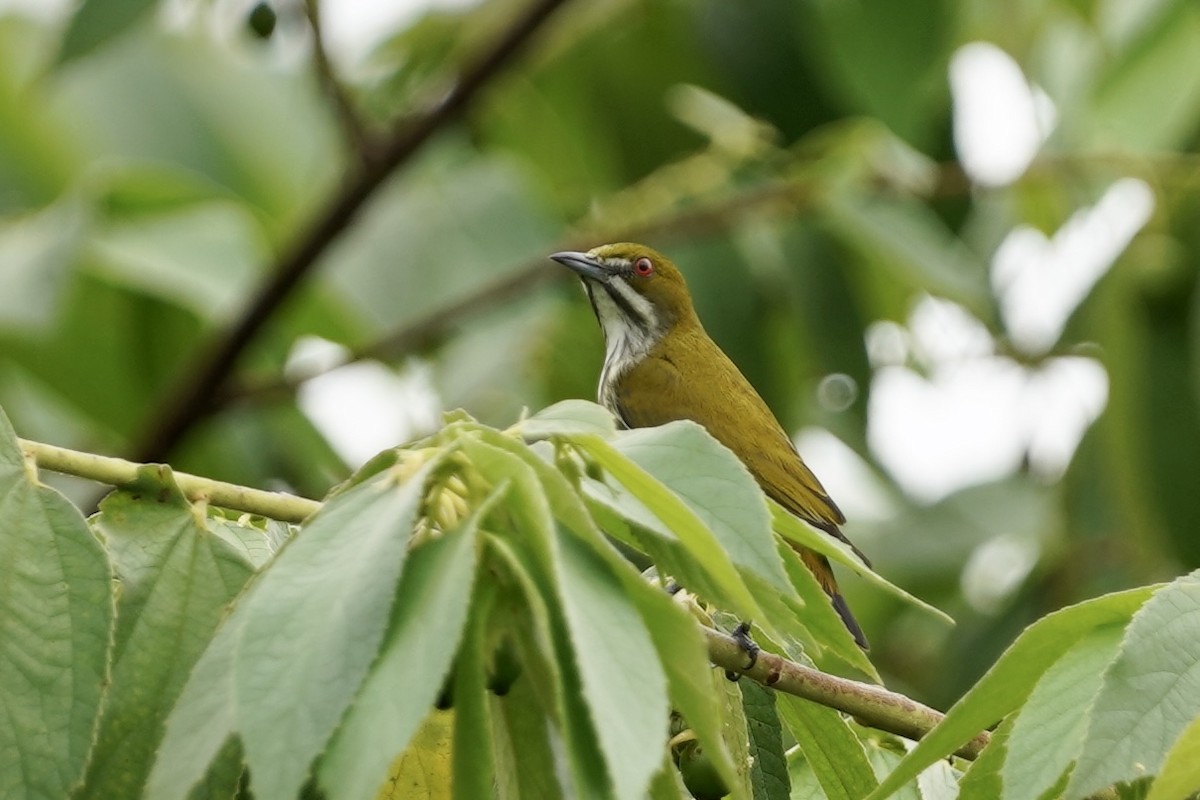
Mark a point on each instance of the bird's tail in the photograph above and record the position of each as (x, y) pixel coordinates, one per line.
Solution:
(819, 566)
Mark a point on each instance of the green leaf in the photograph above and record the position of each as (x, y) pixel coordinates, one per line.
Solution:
(819, 616)
(982, 780)
(910, 239)
(97, 21)
(474, 763)
(1132, 106)
(680, 519)
(1150, 694)
(684, 655)
(1048, 734)
(716, 486)
(1179, 777)
(38, 253)
(290, 658)
(313, 626)
(768, 765)
(426, 627)
(622, 679)
(256, 545)
(522, 736)
(176, 580)
(203, 720)
(567, 417)
(56, 613)
(834, 753)
(1010, 681)
(794, 530)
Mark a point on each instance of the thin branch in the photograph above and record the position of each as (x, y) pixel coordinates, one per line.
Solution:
(871, 705)
(192, 398)
(351, 123)
(119, 472)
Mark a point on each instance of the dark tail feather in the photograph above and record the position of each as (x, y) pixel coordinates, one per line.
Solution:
(843, 610)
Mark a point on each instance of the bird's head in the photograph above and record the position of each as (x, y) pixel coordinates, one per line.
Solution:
(633, 288)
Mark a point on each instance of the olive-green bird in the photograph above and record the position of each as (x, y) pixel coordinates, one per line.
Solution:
(660, 366)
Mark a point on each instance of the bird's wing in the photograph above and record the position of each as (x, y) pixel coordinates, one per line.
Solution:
(740, 420)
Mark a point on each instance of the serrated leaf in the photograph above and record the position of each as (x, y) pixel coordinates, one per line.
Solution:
(56, 613)
(1049, 730)
(1150, 693)
(427, 624)
(1179, 777)
(792, 529)
(473, 760)
(716, 486)
(831, 748)
(1009, 682)
(680, 519)
(176, 580)
(768, 765)
(254, 544)
(567, 417)
(313, 625)
(982, 780)
(684, 655)
(287, 662)
(203, 720)
(820, 617)
(622, 679)
(425, 768)
(521, 732)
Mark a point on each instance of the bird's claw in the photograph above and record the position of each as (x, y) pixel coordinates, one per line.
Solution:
(741, 635)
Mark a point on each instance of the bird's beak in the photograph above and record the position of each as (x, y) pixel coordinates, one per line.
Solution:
(583, 264)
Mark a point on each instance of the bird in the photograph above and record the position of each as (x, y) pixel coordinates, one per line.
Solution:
(660, 365)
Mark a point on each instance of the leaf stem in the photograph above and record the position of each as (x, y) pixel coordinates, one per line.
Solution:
(119, 472)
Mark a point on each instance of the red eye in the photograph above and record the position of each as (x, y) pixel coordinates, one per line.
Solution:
(643, 266)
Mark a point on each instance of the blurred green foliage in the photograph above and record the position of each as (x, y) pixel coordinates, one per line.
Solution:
(795, 158)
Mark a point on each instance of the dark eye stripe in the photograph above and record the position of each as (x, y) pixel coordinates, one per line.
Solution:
(631, 313)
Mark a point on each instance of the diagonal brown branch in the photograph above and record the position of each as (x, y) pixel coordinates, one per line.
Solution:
(193, 397)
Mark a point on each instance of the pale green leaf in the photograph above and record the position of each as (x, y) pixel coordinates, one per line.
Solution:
(202, 721)
(622, 679)
(313, 624)
(427, 622)
(794, 530)
(679, 517)
(716, 486)
(1179, 777)
(1011, 679)
(982, 780)
(176, 580)
(1049, 730)
(567, 417)
(1150, 693)
(768, 765)
(56, 613)
(830, 747)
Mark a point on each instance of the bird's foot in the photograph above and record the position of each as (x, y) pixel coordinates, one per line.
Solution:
(741, 635)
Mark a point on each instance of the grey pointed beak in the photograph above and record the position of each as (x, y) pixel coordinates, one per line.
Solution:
(583, 264)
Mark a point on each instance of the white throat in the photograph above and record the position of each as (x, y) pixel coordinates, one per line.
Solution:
(626, 341)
